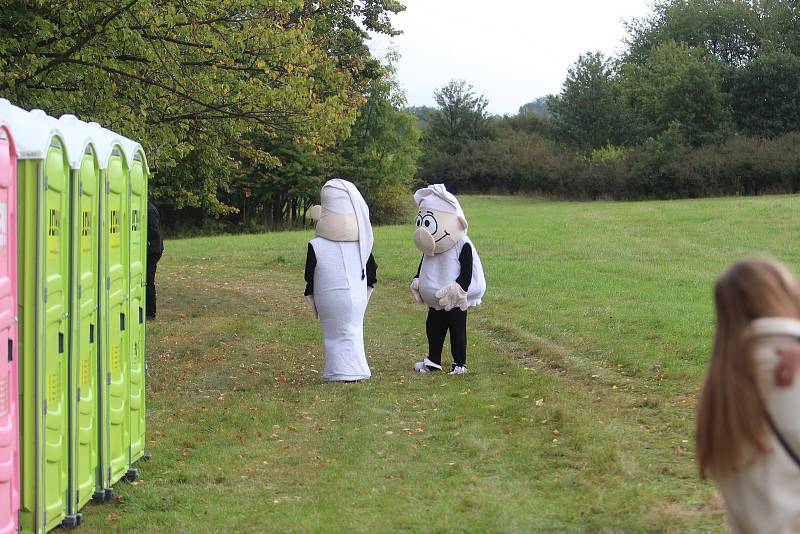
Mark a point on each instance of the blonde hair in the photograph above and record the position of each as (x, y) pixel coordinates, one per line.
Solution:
(730, 420)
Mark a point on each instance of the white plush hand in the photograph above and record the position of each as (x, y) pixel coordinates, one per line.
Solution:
(369, 292)
(310, 299)
(415, 290)
(452, 296)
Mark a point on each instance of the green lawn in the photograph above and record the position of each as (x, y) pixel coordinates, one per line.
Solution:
(577, 414)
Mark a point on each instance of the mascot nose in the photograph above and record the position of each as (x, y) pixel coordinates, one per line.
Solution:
(424, 241)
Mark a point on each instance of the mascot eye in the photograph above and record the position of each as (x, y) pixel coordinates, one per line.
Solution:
(419, 221)
(430, 223)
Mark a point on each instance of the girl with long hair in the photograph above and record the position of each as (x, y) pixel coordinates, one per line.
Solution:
(748, 415)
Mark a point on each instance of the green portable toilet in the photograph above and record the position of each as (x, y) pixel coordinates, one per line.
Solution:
(114, 308)
(137, 226)
(84, 350)
(43, 311)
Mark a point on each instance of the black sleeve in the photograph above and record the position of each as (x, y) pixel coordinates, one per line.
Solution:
(311, 264)
(419, 267)
(155, 245)
(465, 259)
(372, 271)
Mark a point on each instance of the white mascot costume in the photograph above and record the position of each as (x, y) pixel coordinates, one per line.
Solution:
(449, 278)
(340, 277)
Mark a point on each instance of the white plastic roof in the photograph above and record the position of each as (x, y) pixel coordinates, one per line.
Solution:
(33, 131)
(105, 140)
(78, 136)
(131, 147)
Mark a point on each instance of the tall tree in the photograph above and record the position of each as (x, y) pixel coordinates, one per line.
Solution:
(380, 156)
(461, 116)
(677, 84)
(196, 81)
(731, 30)
(765, 95)
(588, 112)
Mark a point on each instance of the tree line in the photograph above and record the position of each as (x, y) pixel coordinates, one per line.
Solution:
(704, 100)
(246, 106)
(243, 106)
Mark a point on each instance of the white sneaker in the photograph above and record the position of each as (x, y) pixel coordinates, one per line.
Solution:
(425, 366)
(458, 370)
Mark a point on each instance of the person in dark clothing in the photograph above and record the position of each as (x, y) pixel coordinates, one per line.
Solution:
(155, 247)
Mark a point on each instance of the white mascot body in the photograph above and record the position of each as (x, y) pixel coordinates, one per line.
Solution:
(340, 276)
(450, 278)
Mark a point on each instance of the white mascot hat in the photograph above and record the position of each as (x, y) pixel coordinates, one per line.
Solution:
(341, 196)
(437, 197)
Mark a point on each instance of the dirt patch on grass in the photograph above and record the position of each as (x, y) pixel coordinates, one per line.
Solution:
(713, 506)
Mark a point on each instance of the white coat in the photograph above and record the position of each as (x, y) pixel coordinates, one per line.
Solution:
(441, 269)
(340, 296)
(764, 497)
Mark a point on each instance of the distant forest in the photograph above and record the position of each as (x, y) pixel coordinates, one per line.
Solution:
(244, 112)
(704, 101)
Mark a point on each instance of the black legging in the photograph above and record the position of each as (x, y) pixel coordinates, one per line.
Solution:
(437, 325)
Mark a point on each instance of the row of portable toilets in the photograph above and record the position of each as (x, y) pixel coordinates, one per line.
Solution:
(73, 245)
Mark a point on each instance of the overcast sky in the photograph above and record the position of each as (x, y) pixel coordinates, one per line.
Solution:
(511, 51)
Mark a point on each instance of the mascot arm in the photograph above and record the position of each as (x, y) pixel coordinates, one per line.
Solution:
(311, 265)
(415, 284)
(415, 290)
(312, 305)
(372, 271)
(372, 275)
(465, 260)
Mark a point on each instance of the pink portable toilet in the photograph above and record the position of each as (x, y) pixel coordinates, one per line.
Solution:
(9, 412)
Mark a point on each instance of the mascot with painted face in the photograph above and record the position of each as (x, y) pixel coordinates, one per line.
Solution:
(449, 278)
(340, 277)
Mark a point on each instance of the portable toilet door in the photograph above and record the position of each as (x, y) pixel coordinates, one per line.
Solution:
(43, 303)
(114, 314)
(9, 414)
(84, 352)
(138, 269)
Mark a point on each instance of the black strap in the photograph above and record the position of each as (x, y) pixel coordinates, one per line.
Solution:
(782, 440)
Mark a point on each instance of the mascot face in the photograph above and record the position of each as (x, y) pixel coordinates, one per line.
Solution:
(334, 226)
(336, 219)
(437, 231)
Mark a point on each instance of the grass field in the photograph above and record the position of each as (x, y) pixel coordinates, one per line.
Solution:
(577, 414)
